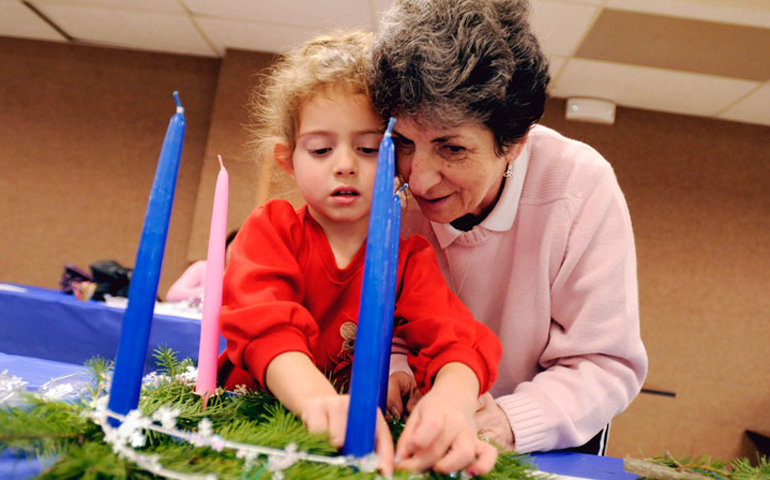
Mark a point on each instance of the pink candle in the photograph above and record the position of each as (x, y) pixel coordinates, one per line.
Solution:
(212, 293)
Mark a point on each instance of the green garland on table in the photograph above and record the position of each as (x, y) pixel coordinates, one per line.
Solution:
(171, 441)
(668, 467)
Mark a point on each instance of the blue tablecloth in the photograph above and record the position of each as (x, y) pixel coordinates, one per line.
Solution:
(51, 325)
(36, 371)
(582, 465)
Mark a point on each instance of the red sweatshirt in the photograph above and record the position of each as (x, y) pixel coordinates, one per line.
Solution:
(284, 292)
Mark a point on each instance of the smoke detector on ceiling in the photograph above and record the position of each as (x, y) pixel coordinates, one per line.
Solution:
(590, 110)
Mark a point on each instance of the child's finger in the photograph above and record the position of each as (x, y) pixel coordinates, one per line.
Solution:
(420, 446)
(414, 438)
(383, 444)
(406, 433)
(315, 417)
(421, 460)
(395, 404)
(338, 421)
(414, 396)
(462, 453)
(486, 456)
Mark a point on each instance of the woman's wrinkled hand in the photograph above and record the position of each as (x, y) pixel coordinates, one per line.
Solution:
(493, 423)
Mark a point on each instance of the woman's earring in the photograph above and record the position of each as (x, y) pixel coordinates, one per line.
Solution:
(508, 170)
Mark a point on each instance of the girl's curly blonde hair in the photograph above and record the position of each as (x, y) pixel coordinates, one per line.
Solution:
(336, 61)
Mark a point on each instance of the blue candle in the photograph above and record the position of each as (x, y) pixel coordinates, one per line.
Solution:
(394, 226)
(376, 299)
(135, 331)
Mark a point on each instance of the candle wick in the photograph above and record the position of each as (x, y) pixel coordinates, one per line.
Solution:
(179, 107)
(221, 165)
(389, 130)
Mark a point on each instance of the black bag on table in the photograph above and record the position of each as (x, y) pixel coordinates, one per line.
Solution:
(111, 278)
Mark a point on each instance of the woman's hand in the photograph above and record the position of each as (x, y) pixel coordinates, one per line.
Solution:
(402, 387)
(493, 422)
(441, 431)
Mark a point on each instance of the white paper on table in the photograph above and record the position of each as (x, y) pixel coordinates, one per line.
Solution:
(556, 476)
(174, 309)
(7, 287)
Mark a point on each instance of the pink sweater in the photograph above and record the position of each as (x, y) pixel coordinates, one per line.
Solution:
(552, 271)
(190, 285)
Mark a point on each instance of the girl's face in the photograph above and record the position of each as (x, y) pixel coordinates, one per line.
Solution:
(335, 157)
(451, 172)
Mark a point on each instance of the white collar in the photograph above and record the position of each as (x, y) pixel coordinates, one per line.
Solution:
(501, 218)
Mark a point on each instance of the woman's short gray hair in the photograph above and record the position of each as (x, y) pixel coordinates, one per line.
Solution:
(448, 62)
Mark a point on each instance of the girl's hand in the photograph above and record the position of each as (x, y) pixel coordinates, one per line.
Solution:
(441, 431)
(294, 380)
(403, 394)
(329, 414)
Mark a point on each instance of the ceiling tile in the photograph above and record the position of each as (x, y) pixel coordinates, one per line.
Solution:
(650, 88)
(755, 108)
(561, 26)
(564, 27)
(263, 37)
(16, 20)
(589, 2)
(555, 64)
(152, 5)
(721, 49)
(143, 30)
(327, 13)
(754, 13)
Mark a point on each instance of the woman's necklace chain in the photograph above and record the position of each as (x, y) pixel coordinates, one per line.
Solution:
(457, 288)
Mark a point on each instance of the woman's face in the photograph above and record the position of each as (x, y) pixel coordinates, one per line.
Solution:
(451, 172)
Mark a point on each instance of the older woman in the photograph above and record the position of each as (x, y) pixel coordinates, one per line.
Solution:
(530, 228)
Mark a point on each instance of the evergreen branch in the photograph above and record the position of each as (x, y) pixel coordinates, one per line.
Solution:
(94, 460)
(652, 470)
(168, 362)
(44, 427)
(667, 467)
(99, 369)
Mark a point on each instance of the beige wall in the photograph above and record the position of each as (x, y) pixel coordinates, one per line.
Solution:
(80, 133)
(250, 180)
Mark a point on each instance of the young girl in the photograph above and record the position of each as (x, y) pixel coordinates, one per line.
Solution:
(293, 284)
